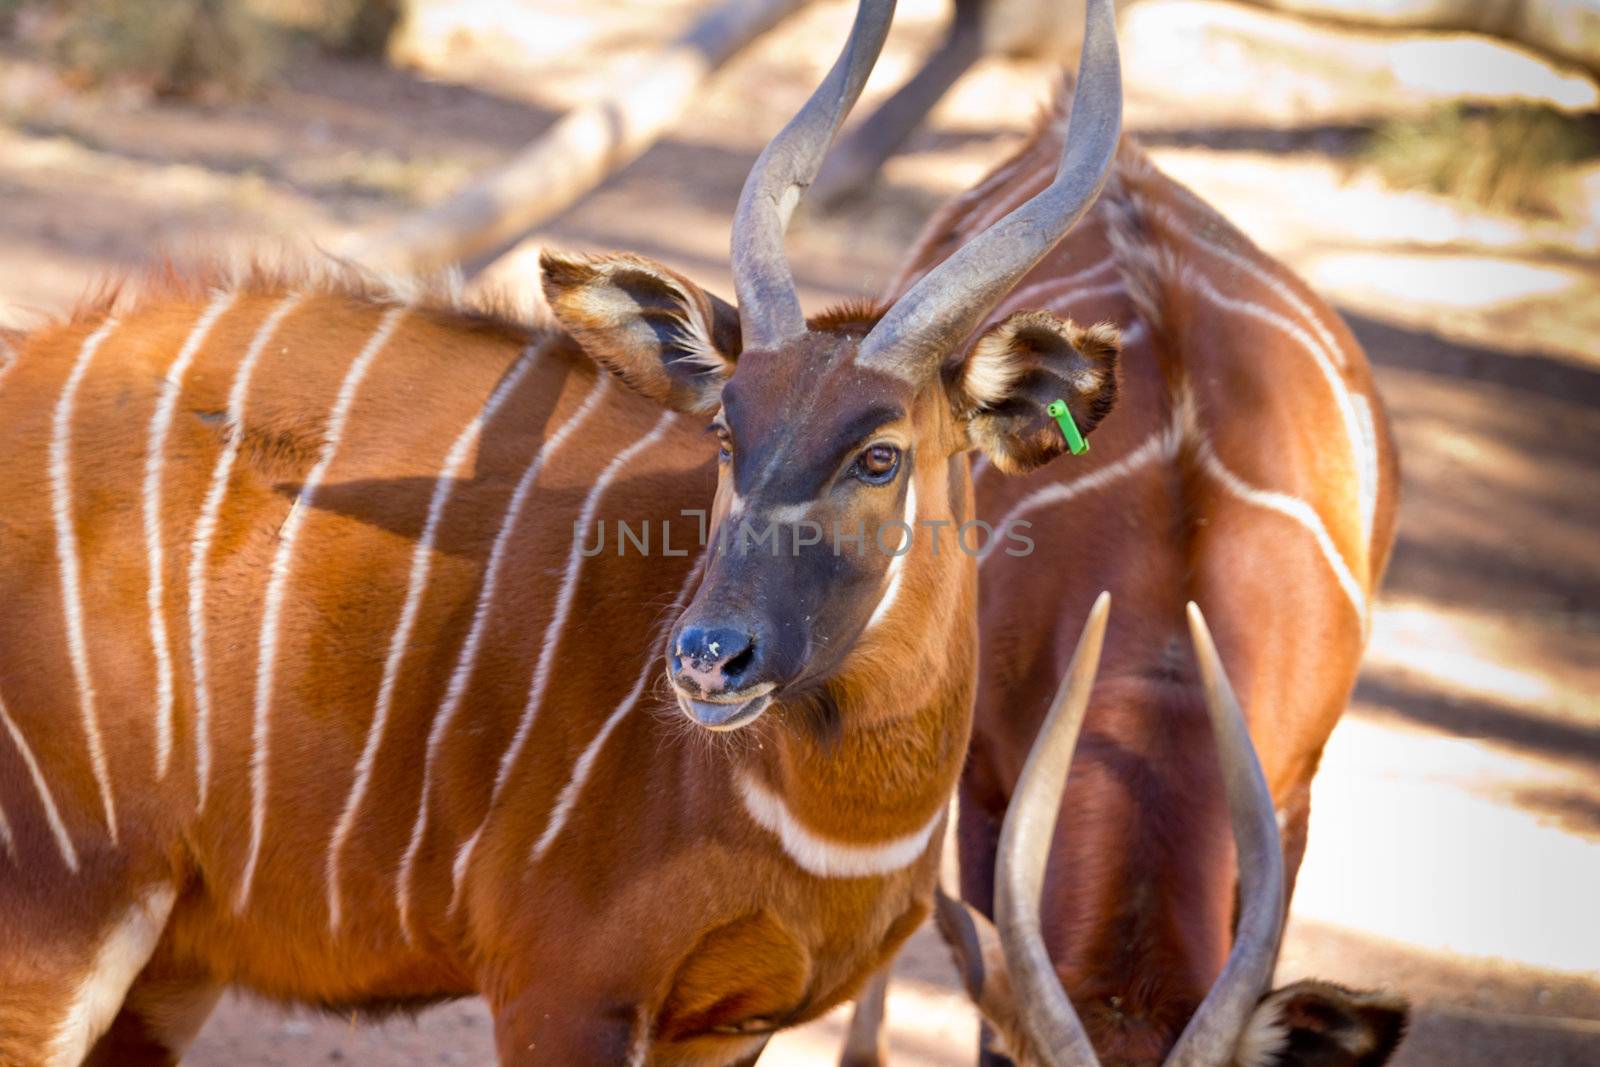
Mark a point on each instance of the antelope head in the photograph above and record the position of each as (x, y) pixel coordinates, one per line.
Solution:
(850, 429)
(1009, 973)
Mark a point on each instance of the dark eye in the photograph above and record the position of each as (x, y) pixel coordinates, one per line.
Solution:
(877, 464)
(724, 443)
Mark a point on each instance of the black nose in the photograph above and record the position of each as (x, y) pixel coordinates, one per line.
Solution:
(715, 659)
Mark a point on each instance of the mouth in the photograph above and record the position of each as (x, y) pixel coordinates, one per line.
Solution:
(727, 712)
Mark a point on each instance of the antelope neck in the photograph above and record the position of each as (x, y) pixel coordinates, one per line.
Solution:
(860, 788)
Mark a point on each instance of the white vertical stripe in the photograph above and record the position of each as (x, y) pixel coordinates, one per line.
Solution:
(552, 636)
(896, 568)
(1030, 294)
(277, 585)
(584, 765)
(205, 529)
(1367, 467)
(468, 657)
(1058, 300)
(52, 815)
(9, 358)
(1009, 201)
(1294, 508)
(67, 554)
(1329, 346)
(1364, 465)
(1161, 445)
(399, 641)
(154, 461)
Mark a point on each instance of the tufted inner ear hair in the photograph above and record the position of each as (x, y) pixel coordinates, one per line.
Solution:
(659, 332)
(1013, 372)
(1312, 1023)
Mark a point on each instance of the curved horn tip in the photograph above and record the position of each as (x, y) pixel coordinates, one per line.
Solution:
(1044, 1009)
(1086, 656)
(1095, 625)
(1102, 605)
(1086, 653)
(1212, 1034)
(1212, 672)
(1198, 630)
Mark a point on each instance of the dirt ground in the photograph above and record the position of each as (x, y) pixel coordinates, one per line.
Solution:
(1455, 845)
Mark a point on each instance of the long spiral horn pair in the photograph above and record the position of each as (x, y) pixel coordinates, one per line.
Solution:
(1053, 1026)
(953, 299)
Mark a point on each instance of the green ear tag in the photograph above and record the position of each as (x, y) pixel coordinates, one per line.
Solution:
(1069, 429)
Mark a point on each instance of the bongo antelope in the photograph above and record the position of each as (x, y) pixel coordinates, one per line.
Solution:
(311, 684)
(1248, 467)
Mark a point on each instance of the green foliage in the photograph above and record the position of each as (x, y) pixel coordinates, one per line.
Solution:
(1506, 159)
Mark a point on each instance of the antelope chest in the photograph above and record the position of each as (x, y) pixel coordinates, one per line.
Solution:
(767, 970)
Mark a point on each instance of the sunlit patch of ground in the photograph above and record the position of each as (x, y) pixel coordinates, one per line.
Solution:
(1218, 60)
(1537, 304)
(1450, 860)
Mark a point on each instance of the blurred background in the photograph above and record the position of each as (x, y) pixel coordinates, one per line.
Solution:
(1441, 186)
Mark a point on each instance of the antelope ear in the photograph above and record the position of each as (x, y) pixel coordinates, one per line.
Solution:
(652, 327)
(1322, 1024)
(975, 944)
(1009, 378)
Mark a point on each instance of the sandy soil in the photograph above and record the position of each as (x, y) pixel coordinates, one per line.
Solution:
(1454, 847)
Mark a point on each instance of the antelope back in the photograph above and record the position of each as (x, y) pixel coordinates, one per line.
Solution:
(1248, 467)
(259, 533)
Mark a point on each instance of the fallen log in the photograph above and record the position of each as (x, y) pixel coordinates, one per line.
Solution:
(587, 145)
(1567, 30)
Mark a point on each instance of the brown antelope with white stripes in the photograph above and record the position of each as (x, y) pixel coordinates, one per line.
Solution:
(314, 684)
(1248, 468)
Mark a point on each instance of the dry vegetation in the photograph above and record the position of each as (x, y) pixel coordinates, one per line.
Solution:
(191, 49)
(1519, 158)
(172, 48)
